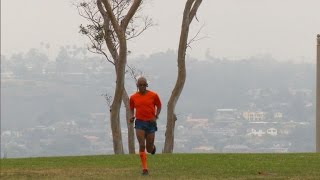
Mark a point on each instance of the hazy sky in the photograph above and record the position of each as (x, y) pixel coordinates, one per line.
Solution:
(285, 29)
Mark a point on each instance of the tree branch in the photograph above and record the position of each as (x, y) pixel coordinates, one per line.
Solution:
(108, 33)
(131, 12)
(194, 38)
(194, 10)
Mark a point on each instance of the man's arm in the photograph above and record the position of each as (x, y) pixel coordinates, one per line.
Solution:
(131, 120)
(158, 112)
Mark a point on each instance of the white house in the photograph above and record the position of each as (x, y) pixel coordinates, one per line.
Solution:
(272, 131)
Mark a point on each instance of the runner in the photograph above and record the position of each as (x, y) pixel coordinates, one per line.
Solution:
(146, 106)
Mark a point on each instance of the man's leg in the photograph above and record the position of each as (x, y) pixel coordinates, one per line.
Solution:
(143, 156)
(150, 143)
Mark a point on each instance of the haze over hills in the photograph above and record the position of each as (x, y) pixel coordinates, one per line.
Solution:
(60, 103)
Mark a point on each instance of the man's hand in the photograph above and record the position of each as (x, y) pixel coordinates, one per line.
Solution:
(155, 119)
(131, 120)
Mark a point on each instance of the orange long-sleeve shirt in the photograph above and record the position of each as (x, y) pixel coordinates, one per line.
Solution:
(145, 105)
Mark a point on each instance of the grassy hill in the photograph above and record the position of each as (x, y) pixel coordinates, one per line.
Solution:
(166, 166)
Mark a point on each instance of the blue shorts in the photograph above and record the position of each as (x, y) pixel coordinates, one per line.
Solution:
(147, 126)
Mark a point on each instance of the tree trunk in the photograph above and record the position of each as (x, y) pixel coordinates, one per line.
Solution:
(120, 30)
(116, 104)
(131, 142)
(114, 53)
(190, 10)
(116, 132)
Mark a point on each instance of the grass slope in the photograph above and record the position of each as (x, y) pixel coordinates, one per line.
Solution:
(166, 166)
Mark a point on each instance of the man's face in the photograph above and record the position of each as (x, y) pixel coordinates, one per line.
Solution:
(142, 85)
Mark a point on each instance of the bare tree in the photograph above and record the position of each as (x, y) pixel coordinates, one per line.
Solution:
(191, 7)
(112, 23)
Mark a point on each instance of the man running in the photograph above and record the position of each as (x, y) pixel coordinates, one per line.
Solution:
(146, 105)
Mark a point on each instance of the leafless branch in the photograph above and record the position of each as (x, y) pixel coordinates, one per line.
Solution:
(195, 37)
(134, 72)
(134, 31)
(108, 98)
(99, 26)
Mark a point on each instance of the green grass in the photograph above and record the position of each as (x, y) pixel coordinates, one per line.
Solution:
(166, 166)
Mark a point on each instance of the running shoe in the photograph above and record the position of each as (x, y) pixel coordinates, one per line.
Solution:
(145, 172)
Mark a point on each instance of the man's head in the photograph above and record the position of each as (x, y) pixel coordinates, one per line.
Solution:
(142, 84)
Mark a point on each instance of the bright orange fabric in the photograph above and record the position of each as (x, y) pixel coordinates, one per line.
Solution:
(143, 157)
(145, 105)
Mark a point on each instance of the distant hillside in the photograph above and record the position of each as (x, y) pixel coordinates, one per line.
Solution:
(74, 91)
